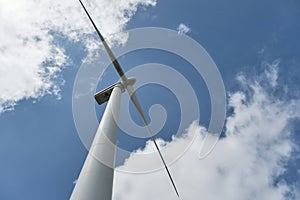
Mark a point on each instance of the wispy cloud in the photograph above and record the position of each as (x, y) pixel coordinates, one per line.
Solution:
(247, 163)
(75, 181)
(183, 29)
(31, 60)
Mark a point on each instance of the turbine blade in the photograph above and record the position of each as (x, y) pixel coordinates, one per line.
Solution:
(108, 50)
(135, 101)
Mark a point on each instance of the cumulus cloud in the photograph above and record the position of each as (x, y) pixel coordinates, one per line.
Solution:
(246, 164)
(30, 58)
(183, 29)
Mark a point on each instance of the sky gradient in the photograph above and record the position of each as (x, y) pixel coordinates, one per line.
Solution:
(255, 45)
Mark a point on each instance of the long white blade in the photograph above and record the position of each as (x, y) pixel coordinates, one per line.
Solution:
(135, 101)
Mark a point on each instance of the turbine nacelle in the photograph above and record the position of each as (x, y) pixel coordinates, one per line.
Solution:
(104, 95)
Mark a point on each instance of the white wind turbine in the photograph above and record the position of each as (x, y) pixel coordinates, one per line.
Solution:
(96, 179)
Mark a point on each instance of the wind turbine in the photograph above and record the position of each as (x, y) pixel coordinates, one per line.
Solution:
(96, 179)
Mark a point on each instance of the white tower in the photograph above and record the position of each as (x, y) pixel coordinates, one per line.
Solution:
(96, 179)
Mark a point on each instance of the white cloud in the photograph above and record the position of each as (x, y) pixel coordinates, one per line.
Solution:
(272, 72)
(183, 29)
(30, 60)
(243, 165)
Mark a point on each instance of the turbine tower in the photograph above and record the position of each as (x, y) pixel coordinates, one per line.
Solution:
(96, 179)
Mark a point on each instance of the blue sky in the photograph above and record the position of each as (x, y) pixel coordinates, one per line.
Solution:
(255, 45)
